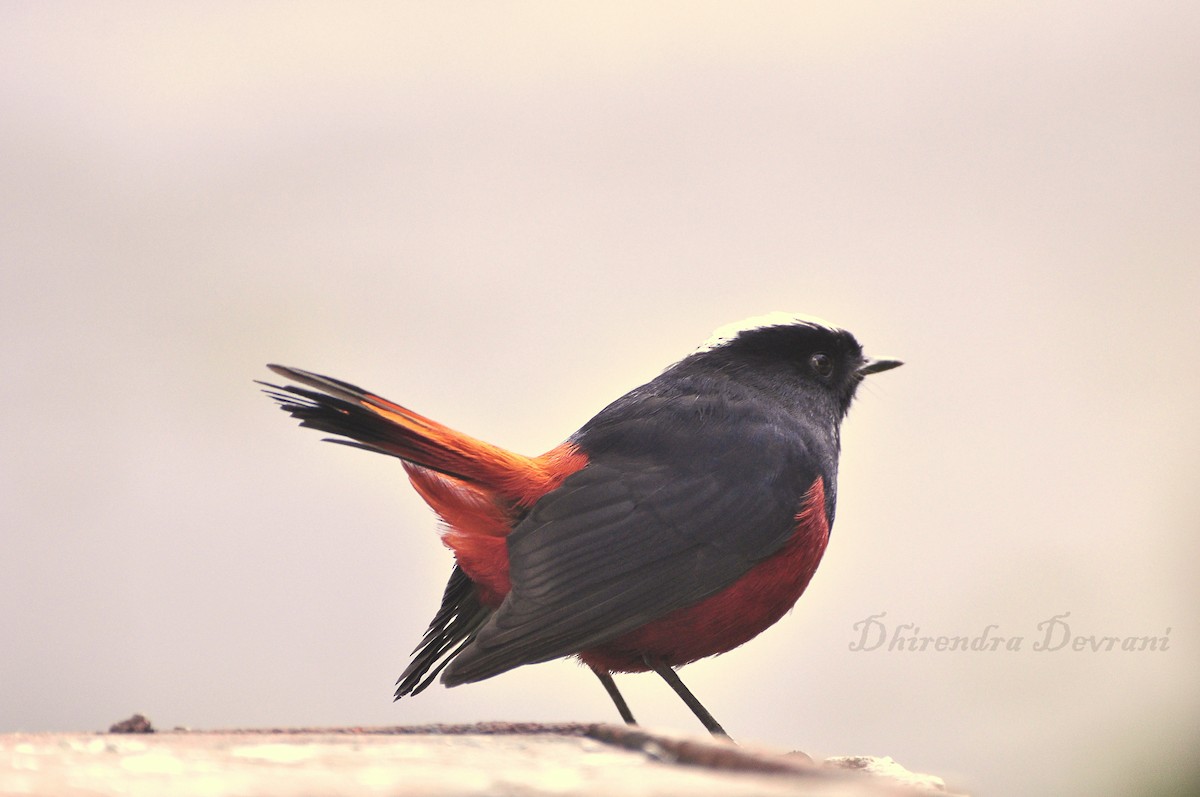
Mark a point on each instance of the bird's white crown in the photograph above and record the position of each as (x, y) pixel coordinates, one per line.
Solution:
(728, 332)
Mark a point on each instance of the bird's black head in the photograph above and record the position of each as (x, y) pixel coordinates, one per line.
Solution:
(792, 356)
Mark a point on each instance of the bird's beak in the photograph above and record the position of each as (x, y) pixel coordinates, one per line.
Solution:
(875, 366)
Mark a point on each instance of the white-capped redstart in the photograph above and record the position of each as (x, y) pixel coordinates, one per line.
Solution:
(680, 522)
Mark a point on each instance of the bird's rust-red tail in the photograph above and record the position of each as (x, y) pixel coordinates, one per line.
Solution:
(475, 487)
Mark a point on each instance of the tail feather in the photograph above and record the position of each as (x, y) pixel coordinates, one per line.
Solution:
(366, 429)
(376, 424)
(452, 629)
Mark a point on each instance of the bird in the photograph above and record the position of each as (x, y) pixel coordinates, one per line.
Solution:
(680, 522)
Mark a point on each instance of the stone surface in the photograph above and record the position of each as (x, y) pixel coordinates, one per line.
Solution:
(495, 759)
(886, 767)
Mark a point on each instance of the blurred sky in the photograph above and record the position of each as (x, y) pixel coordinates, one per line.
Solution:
(504, 216)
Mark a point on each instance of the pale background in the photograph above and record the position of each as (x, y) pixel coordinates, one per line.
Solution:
(506, 215)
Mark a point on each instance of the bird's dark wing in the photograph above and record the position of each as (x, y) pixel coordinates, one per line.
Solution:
(639, 533)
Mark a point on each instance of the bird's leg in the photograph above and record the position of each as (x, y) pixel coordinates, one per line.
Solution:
(672, 678)
(610, 686)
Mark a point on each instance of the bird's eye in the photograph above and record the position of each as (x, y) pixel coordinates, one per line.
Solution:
(821, 364)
